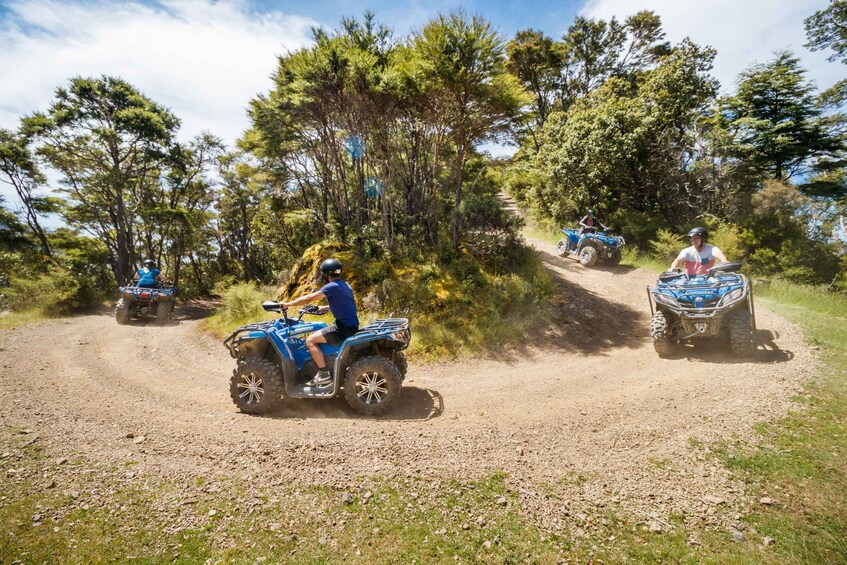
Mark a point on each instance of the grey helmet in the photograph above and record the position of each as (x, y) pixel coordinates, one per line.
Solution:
(332, 267)
(702, 233)
(149, 263)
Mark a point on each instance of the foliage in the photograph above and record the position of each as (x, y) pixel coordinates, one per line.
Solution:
(827, 29)
(241, 304)
(619, 148)
(129, 183)
(667, 245)
(777, 125)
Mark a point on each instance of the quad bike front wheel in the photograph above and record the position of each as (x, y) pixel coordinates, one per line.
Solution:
(372, 385)
(256, 386)
(614, 258)
(588, 256)
(122, 312)
(562, 247)
(402, 364)
(660, 331)
(741, 334)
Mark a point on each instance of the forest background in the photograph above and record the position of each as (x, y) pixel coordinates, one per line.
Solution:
(368, 146)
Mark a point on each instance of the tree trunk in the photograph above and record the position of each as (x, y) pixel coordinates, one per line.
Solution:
(457, 216)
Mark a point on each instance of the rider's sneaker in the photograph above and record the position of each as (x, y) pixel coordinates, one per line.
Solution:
(322, 378)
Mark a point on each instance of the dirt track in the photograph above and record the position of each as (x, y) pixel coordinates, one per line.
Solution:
(591, 418)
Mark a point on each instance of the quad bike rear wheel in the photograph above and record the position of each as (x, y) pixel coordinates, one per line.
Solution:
(372, 385)
(163, 312)
(562, 247)
(256, 386)
(660, 331)
(741, 334)
(122, 312)
(588, 256)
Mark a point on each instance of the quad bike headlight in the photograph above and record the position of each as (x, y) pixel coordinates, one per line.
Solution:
(402, 335)
(730, 297)
(665, 299)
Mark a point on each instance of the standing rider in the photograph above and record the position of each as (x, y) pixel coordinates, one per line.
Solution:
(700, 257)
(148, 276)
(342, 304)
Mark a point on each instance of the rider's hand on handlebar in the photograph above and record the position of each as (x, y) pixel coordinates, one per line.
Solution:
(322, 310)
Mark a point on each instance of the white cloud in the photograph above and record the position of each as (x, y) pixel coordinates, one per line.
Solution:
(203, 59)
(744, 32)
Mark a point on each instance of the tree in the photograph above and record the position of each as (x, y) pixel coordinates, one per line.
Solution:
(110, 143)
(462, 59)
(776, 122)
(536, 60)
(827, 29)
(21, 171)
(615, 150)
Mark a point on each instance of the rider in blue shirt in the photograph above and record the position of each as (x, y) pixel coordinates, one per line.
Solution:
(148, 276)
(342, 304)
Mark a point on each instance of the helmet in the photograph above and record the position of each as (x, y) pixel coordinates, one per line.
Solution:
(702, 233)
(149, 263)
(331, 266)
(590, 212)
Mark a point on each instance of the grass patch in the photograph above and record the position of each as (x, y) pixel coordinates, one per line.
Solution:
(9, 319)
(801, 462)
(105, 517)
(241, 304)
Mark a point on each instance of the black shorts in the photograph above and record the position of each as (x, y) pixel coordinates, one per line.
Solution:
(336, 333)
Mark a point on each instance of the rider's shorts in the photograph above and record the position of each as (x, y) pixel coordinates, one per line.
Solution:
(336, 333)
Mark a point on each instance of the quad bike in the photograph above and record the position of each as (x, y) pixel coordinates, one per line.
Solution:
(368, 368)
(719, 303)
(141, 302)
(590, 246)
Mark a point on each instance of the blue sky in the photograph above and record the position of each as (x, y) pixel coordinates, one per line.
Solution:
(205, 59)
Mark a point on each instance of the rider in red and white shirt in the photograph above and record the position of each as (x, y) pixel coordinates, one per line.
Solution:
(701, 256)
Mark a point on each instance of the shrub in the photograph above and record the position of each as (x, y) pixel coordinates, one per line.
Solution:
(667, 245)
(55, 291)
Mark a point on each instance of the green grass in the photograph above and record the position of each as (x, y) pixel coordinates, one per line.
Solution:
(15, 319)
(389, 520)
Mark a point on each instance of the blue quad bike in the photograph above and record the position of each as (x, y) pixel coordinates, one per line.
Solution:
(140, 302)
(716, 304)
(590, 247)
(368, 368)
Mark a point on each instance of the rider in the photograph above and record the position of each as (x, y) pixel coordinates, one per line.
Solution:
(148, 276)
(700, 257)
(339, 295)
(589, 224)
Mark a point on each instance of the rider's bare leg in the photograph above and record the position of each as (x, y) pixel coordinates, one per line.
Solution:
(322, 377)
(313, 344)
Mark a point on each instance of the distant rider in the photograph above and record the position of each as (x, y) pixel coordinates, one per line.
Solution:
(148, 276)
(589, 223)
(700, 257)
(342, 304)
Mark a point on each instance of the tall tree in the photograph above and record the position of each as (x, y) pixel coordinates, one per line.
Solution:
(776, 121)
(537, 61)
(463, 60)
(110, 143)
